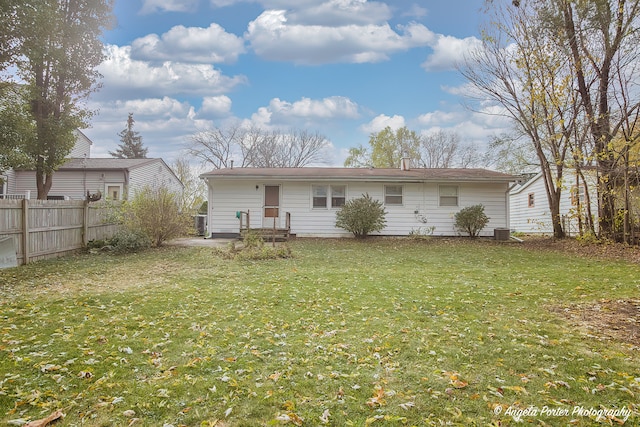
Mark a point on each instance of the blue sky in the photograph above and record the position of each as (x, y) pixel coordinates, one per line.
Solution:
(344, 68)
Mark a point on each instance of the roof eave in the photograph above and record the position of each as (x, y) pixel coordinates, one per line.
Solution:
(411, 179)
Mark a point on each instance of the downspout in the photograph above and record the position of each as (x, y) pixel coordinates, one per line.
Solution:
(209, 206)
(508, 210)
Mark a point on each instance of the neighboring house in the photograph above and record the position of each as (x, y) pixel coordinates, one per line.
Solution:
(529, 205)
(7, 183)
(414, 199)
(114, 179)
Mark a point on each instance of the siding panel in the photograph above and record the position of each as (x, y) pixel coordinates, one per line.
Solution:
(154, 173)
(419, 209)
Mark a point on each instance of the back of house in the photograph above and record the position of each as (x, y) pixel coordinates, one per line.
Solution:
(307, 199)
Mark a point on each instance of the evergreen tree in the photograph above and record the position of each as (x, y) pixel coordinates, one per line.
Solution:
(131, 147)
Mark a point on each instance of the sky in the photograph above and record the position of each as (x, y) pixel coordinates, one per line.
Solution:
(343, 68)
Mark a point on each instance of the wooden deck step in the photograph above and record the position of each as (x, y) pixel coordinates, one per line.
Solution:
(268, 234)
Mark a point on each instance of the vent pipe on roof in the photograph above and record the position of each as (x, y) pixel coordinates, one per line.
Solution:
(231, 164)
(405, 164)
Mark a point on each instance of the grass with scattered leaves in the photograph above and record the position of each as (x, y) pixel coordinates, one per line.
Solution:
(374, 332)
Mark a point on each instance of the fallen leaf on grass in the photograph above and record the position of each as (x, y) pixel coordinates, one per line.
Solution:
(516, 389)
(290, 417)
(44, 421)
(459, 383)
(377, 399)
(406, 406)
(324, 418)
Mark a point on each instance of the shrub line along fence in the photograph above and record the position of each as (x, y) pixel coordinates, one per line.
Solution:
(44, 229)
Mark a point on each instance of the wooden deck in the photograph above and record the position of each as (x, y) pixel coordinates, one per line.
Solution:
(269, 234)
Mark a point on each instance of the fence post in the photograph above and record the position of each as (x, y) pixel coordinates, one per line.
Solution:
(85, 224)
(25, 231)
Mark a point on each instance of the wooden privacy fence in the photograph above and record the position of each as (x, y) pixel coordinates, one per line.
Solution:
(44, 229)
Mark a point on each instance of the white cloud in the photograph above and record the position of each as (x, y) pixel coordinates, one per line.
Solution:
(449, 51)
(154, 107)
(307, 111)
(151, 6)
(473, 127)
(216, 105)
(193, 44)
(438, 117)
(272, 37)
(382, 121)
(123, 76)
(327, 108)
(335, 13)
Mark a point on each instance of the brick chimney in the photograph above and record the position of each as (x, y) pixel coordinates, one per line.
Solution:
(405, 164)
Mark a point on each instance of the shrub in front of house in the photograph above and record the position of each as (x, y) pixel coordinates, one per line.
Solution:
(155, 211)
(362, 216)
(471, 220)
(128, 241)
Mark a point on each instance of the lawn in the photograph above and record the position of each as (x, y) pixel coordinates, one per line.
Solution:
(383, 332)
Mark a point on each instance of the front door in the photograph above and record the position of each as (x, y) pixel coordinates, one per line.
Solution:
(271, 206)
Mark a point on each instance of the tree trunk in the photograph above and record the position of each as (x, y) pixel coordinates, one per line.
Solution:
(556, 218)
(43, 183)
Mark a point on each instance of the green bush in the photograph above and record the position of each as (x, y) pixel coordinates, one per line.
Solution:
(128, 241)
(155, 211)
(471, 220)
(588, 238)
(421, 233)
(97, 244)
(253, 252)
(251, 240)
(361, 216)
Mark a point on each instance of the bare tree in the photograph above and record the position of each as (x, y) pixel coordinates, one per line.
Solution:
(217, 146)
(445, 150)
(517, 68)
(255, 147)
(601, 41)
(194, 192)
(511, 153)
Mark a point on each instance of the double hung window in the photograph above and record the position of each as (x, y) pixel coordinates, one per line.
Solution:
(328, 196)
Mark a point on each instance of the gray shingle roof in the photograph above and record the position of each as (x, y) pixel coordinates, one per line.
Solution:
(362, 174)
(104, 164)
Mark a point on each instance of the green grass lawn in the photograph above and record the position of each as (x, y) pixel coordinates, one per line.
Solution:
(382, 332)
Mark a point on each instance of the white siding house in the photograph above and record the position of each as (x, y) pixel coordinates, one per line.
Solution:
(115, 179)
(82, 147)
(414, 199)
(529, 206)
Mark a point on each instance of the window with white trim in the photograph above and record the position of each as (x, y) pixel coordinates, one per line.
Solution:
(448, 195)
(113, 191)
(319, 195)
(338, 195)
(393, 194)
(328, 196)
